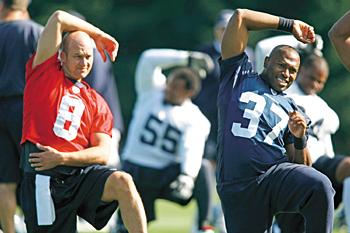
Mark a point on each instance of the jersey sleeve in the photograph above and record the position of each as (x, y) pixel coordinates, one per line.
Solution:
(234, 69)
(41, 68)
(103, 118)
(149, 74)
(192, 147)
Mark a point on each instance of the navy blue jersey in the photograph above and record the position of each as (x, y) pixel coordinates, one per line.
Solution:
(18, 40)
(253, 122)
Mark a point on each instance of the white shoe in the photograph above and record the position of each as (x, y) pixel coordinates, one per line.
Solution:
(206, 229)
(20, 226)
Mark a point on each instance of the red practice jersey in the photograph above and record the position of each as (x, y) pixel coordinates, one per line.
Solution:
(60, 113)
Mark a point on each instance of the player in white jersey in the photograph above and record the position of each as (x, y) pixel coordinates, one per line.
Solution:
(167, 134)
(313, 75)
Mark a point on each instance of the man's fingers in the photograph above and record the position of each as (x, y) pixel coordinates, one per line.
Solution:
(113, 54)
(41, 147)
(102, 53)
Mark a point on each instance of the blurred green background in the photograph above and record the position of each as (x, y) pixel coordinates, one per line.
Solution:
(184, 24)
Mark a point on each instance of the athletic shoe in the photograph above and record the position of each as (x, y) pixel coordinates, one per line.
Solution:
(206, 229)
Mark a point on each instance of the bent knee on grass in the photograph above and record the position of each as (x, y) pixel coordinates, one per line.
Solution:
(118, 185)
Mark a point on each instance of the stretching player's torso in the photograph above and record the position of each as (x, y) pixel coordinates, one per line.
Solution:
(59, 112)
(253, 124)
(157, 130)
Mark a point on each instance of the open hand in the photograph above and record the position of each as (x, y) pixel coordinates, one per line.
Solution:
(106, 43)
(303, 32)
(45, 160)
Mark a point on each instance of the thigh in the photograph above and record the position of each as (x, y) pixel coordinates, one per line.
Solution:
(88, 196)
(64, 220)
(291, 185)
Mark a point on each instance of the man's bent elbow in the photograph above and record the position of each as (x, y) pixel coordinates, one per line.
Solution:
(332, 34)
(57, 16)
(238, 16)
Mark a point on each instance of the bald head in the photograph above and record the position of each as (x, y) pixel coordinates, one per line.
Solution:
(281, 67)
(77, 38)
(77, 55)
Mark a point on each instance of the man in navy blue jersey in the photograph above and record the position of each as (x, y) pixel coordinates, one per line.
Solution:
(262, 154)
(18, 39)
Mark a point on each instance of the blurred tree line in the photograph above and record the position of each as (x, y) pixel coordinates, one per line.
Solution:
(184, 24)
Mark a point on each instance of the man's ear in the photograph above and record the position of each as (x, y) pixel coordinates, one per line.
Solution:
(63, 56)
(266, 61)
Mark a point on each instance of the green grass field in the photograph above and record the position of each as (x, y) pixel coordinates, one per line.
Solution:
(172, 218)
(176, 219)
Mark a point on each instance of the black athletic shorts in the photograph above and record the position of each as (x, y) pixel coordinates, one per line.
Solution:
(11, 109)
(51, 203)
(328, 166)
(153, 184)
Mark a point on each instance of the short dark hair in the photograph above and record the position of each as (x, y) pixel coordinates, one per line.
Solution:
(20, 5)
(312, 60)
(192, 80)
(283, 47)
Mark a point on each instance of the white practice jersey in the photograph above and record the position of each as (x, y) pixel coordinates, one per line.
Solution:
(161, 134)
(324, 121)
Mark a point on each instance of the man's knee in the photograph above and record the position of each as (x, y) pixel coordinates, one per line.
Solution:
(323, 188)
(343, 169)
(121, 185)
(206, 165)
(7, 188)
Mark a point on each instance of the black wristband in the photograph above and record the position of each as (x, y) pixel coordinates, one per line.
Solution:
(285, 24)
(300, 143)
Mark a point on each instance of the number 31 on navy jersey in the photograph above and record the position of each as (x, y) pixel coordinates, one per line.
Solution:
(253, 115)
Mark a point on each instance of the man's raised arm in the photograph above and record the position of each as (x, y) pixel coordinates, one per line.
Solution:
(60, 22)
(236, 35)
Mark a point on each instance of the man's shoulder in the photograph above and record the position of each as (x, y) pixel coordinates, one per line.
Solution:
(209, 48)
(28, 24)
(195, 116)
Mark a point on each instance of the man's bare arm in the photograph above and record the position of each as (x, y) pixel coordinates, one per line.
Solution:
(236, 35)
(96, 154)
(60, 22)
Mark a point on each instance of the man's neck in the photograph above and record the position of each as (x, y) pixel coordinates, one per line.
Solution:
(301, 88)
(11, 15)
